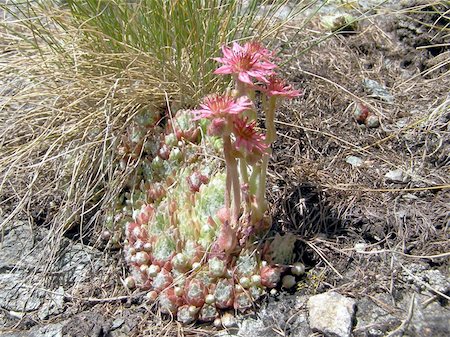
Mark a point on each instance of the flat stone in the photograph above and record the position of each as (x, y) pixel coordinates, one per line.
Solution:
(331, 314)
(378, 90)
(354, 161)
(48, 330)
(397, 176)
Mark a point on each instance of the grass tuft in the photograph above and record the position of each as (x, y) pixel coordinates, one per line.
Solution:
(76, 73)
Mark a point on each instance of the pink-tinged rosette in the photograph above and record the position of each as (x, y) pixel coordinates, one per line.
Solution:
(195, 292)
(195, 180)
(146, 214)
(224, 294)
(169, 302)
(162, 280)
(187, 314)
(208, 313)
(270, 276)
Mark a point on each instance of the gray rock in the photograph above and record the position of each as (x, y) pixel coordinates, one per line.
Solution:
(331, 314)
(53, 305)
(286, 314)
(420, 277)
(16, 295)
(48, 330)
(16, 245)
(354, 161)
(427, 320)
(373, 320)
(23, 294)
(378, 90)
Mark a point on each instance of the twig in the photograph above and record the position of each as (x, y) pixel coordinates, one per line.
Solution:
(323, 257)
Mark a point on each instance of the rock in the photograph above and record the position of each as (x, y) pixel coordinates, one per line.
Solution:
(373, 320)
(286, 313)
(427, 320)
(354, 161)
(53, 305)
(397, 176)
(331, 314)
(360, 247)
(17, 296)
(23, 295)
(378, 90)
(48, 330)
(419, 275)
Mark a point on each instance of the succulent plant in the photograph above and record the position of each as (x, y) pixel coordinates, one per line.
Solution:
(190, 227)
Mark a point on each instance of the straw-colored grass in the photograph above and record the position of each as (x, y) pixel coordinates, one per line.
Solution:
(75, 73)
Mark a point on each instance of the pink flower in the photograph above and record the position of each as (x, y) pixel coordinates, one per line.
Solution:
(256, 48)
(246, 62)
(222, 106)
(278, 87)
(247, 137)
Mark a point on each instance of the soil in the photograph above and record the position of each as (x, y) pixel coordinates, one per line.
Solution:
(376, 231)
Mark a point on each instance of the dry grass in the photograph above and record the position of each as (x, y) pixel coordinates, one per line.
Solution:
(64, 107)
(332, 205)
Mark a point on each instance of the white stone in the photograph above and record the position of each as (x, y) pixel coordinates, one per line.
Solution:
(354, 161)
(397, 176)
(331, 314)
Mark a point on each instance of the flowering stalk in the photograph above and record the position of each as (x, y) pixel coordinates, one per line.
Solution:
(233, 177)
(233, 117)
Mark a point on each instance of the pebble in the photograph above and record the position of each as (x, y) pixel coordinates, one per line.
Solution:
(397, 176)
(378, 90)
(354, 161)
(331, 314)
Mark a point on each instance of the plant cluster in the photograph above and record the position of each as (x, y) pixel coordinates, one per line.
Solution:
(191, 242)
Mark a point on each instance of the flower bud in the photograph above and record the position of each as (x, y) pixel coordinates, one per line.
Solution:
(152, 295)
(288, 281)
(298, 269)
(256, 280)
(130, 282)
(153, 270)
(244, 282)
(209, 299)
(178, 291)
(142, 258)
